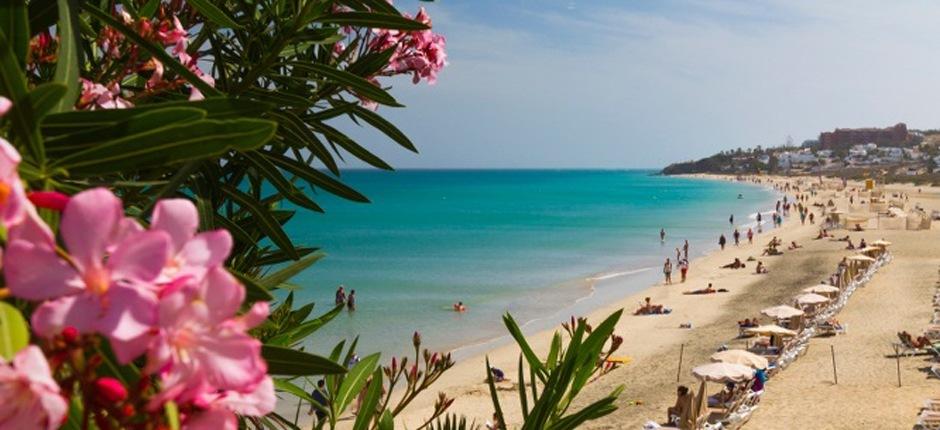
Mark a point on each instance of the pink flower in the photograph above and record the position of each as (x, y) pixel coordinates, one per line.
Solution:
(13, 201)
(201, 347)
(95, 95)
(106, 286)
(48, 199)
(220, 408)
(191, 254)
(31, 398)
(5, 105)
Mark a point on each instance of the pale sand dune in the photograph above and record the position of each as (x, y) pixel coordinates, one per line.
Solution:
(803, 395)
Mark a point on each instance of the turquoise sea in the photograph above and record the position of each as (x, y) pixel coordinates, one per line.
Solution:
(541, 244)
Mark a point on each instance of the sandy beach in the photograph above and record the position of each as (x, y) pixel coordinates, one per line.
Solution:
(898, 298)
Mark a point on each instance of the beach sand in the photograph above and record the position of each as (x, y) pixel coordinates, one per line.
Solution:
(803, 395)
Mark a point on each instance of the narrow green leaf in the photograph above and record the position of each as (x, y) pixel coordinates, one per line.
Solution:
(291, 127)
(351, 146)
(14, 22)
(45, 98)
(14, 334)
(386, 422)
(358, 84)
(66, 68)
(291, 362)
(213, 13)
(168, 145)
(13, 86)
(42, 15)
(149, 9)
(534, 362)
(254, 292)
(353, 382)
(316, 178)
(284, 274)
(172, 413)
(285, 187)
(368, 407)
(265, 220)
(523, 400)
(385, 127)
(290, 387)
(373, 20)
(496, 407)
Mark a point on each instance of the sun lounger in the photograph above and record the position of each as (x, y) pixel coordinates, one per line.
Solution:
(928, 420)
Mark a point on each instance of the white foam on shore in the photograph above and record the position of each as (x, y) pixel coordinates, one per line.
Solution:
(611, 275)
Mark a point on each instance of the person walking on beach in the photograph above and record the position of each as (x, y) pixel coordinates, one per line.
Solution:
(662, 235)
(667, 271)
(758, 219)
(812, 218)
(731, 220)
(319, 404)
(722, 241)
(685, 249)
(750, 236)
(351, 301)
(683, 268)
(678, 255)
(737, 237)
(340, 296)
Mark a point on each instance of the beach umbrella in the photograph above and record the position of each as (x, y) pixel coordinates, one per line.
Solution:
(870, 249)
(770, 329)
(860, 258)
(782, 311)
(740, 356)
(811, 299)
(836, 211)
(881, 242)
(822, 289)
(723, 372)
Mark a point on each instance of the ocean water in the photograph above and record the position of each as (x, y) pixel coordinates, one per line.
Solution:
(540, 244)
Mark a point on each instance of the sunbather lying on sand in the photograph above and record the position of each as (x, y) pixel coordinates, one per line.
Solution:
(920, 342)
(772, 251)
(794, 245)
(736, 264)
(822, 233)
(843, 239)
(707, 290)
(748, 322)
(650, 309)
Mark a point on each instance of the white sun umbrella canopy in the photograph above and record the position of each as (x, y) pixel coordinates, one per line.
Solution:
(822, 289)
(811, 299)
(782, 311)
(771, 329)
(881, 242)
(870, 249)
(740, 356)
(860, 258)
(723, 372)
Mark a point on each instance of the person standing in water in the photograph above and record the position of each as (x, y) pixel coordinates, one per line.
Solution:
(662, 235)
(340, 296)
(737, 237)
(351, 300)
(731, 220)
(722, 241)
(667, 271)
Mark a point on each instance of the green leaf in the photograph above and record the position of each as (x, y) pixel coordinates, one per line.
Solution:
(13, 86)
(370, 402)
(385, 127)
(290, 387)
(45, 98)
(266, 222)
(149, 9)
(283, 186)
(254, 292)
(157, 51)
(534, 362)
(14, 334)
(285, 273)
(316, 178)
(361, 86)
(498, 410)
(215, 108)
(292, 127)
(167, 145)
(290, 362)
(351, 146)
(14, 22)
(387, 422)
(353, 382)
(213, 13)
(372, 20)
(66, 69)
(523, 398)
(301, 331)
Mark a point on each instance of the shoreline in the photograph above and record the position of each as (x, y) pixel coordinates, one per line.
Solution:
(466, 379)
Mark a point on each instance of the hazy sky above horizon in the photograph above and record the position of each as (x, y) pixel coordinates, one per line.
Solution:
(625, 84)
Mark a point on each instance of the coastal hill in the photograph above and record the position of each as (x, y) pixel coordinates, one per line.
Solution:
(892, 153)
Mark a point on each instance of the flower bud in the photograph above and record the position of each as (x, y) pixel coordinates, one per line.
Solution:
(394, 365)
(48, 199)
(110, 390)
(70, 335)
(416, 340)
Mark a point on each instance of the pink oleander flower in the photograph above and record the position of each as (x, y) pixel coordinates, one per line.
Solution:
(95, 96)
(201, 347)
(13, 202)
(219, 409)
(53, 200)
(105, 287)
(191, 253)
(31, 398)
(5, 105)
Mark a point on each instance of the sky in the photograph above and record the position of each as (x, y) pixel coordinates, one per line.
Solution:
(641, 84)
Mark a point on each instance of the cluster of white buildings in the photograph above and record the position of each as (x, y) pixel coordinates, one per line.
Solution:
(868, 154)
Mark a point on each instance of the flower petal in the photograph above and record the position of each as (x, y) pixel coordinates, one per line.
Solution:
(258, 402)
(128, 320)
(80, 311)
(177, 217)
(231, 361)
(88, 224)
(31, 362)
(140, 257)
(223, 295)
(211, 419)
(204, 251)
(34, 272)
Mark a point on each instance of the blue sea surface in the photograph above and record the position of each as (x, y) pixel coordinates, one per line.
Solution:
(540, 244)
